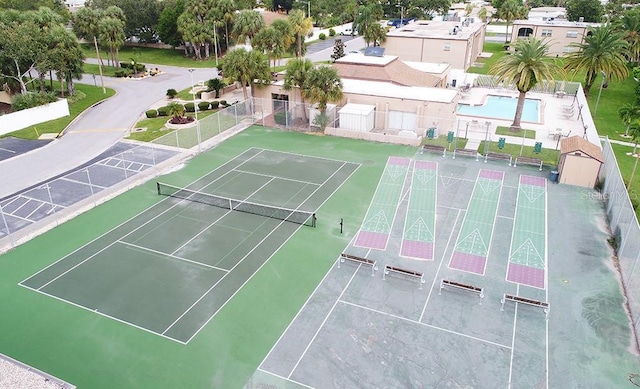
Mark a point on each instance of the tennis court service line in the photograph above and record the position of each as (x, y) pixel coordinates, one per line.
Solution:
(279, 247)
(376, 226)
(278, 177)
(133, 245)
(420, 222)
(123, 224)
(527, 254)
(471, 251)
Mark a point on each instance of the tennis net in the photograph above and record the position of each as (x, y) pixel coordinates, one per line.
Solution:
(289, 215)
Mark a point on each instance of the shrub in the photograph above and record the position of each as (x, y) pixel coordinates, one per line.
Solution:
(152, 113)
(215, 104)
(122, 73)
(223, 103)
(190, 107)
(283, 118)
(140, 67)
(203, 106)
(125, 65)
(171, 93)
(332, 32)
(199, 95)
(322, 36)
(30, 100)
(163, 111)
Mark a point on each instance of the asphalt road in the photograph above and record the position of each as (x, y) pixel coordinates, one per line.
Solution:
(96, 129)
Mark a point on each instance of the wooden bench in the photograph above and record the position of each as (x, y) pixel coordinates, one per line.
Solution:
(434, 149)
(498, 156)
(457, 285)
(405, 272)
(517, 299)
(466, 153)
(360, 260)
(528, 161)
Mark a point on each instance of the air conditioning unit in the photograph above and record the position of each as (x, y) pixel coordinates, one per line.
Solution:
(581, 19)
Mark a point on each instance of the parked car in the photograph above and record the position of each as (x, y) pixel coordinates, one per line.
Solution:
(348, 31)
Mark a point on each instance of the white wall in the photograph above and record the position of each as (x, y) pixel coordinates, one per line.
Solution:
(28, 117)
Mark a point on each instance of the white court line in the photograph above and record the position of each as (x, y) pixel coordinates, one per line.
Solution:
(306, 156)
(324, 321)
(7, 150)
(171, 256)
(513, 337)
(286, 379)
(426, 325)
(278, 177)
(101, 313)
(135, 216)
(279, 247)
(435, 279)
(303, 306)
(546, 276)
(215, 221)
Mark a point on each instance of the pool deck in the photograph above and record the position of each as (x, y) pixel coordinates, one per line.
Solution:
(556, 114)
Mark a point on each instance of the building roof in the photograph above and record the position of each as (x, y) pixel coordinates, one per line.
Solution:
(357, 109)
(387, 69)
(578, 144)
(437, 30)
(385, 89)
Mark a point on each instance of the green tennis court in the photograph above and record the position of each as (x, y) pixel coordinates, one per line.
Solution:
(169, 269)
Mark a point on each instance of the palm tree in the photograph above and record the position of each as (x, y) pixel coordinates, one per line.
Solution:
(628, 112)
(246, 67)
(367, 20)
(603, 50)
(300, 27)
(322, 85)
(509, 11)
(112, 36)
(629, 24)
(228, 11)
(246, 25)
(86, 24)
(634, 130)
(69, 58)
(295, 75)
(284, 28)
(375, 34)
(269, 41)
(525, 68)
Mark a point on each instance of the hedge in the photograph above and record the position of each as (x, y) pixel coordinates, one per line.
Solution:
(215, 104)
(163, 111)
(189, 107)
(152, 113)
(203, 106)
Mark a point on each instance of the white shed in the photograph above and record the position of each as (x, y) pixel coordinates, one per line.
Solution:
(357, 117)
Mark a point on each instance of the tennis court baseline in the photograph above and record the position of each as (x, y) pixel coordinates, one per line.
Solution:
(171, 268)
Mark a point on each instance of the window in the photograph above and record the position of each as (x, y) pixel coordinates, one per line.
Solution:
(447, 47)
(525, 32)
(568, 49)
(572, 34)
(546, 32)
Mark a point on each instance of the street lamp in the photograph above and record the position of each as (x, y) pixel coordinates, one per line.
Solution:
(308, 7)
(595, 110)
(195, 109)
(401, 12)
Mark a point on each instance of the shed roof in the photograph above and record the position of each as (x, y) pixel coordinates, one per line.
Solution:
(357, 109)
(577, 143)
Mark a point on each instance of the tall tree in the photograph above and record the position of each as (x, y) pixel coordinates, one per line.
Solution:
(246, 67)
(246, 25)
(629, 24)
(590, 10)
(338, 50)
(270, 42)
(295, 75)
(69, 58)
(367, 20)
(525, 68)
(300, 27)
(628, 112)
(376, 34)
(22, 47)
(86, 24)
(509, 11)
(284, 28)
(112, 32)
(168, 23)
(227, 9)
(196, 24)
(321, 86)
(604, 50)
(141, 16)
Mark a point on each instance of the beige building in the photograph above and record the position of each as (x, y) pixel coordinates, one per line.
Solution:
(559, 34)
(380, 88)
(580, 162)
(456, 43)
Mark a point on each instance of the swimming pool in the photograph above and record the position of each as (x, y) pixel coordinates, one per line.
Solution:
(503, 107)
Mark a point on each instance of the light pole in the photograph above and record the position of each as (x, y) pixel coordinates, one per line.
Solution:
(308, 7)
(401, 12)
(595, 110)
(195, 109)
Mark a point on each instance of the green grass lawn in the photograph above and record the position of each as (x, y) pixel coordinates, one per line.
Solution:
(90, 68)
(156, 127)
(625, 162)
(149, 55)
(442, 141)
(529, 134)
(86, 96)
(606, 117)
(548, 156)
(497, 49)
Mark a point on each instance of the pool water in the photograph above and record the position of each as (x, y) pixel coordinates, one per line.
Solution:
(503, 107)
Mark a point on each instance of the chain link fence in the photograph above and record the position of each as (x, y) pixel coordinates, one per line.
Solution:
(624, 229)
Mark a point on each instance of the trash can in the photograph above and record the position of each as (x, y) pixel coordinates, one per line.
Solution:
(553, 176)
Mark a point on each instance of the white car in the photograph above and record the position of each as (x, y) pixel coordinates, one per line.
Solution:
(348, 31)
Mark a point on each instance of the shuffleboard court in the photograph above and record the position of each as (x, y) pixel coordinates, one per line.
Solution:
(420, 222)
(171, 268)
(472, 247)
(376, 227)
(527, 256)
